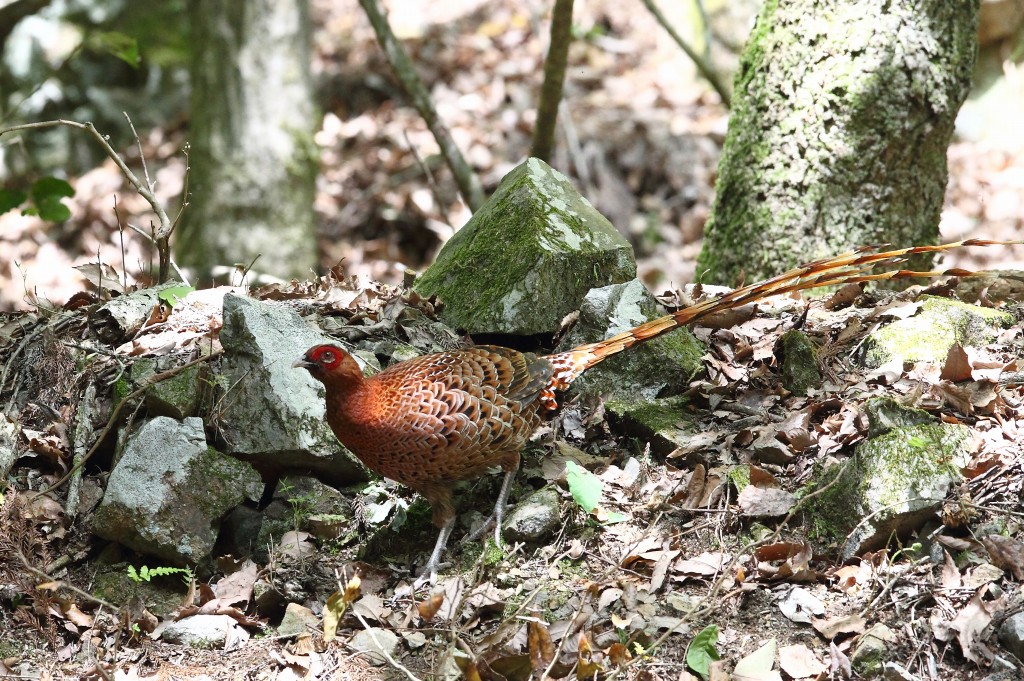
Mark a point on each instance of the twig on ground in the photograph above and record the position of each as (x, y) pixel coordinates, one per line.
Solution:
(380, 649)
(71, 587)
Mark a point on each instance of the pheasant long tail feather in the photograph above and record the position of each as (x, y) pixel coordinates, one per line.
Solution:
(849, 268)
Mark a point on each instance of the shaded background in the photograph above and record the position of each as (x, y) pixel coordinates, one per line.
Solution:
(639, 133)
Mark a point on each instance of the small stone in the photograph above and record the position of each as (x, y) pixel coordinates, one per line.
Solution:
(209, 632)
(1011, 634)
(364, 642)
(871, 650)
(533, 518)
(298, 619)
(415, 639)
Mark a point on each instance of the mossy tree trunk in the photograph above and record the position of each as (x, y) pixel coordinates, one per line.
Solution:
(253, 159)
(842, 115)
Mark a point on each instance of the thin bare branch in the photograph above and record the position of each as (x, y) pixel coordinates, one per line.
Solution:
(713, 77)
(469, 183)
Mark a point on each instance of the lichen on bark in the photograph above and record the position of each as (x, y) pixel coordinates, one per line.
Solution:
(841, 120)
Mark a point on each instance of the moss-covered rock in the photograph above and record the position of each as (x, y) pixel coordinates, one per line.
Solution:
(666, 423)
(527, 257)
(892, 485)
(800, 370)
(885, 414)
(178, 396)
(169, 492)
(928, 335)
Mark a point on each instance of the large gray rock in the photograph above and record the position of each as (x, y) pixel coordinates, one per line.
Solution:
(892, 485)
(169, 491)
(1011, 634)
(273, 414)
(527, 257)
(658, 368)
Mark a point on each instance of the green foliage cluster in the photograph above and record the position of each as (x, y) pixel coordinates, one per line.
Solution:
(44, 199)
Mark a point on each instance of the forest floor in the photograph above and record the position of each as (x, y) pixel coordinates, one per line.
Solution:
(645, 140)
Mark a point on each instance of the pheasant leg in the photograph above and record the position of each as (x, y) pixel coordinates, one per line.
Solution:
(499, 510)
(429, 571)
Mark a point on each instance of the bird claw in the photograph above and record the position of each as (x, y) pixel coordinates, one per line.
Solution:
(428, 574)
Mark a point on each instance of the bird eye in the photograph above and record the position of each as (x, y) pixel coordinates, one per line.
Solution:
(327, 357)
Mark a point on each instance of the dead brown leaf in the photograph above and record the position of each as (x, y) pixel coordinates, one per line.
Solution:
(833, 627)
(799, 661)
(1006, 553)
(760, 503)
(542, 650)
(968, 627)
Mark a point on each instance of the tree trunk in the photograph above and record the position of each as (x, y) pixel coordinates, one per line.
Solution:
(253, 159)
(842, 115)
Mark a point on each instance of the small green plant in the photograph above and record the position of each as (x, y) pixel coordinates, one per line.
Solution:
(302, 504)
(146, 573)
(302, 507)
(42, 199)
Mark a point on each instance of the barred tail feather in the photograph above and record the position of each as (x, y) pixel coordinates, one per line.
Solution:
(848, 268)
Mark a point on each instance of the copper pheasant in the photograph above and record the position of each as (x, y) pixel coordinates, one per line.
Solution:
(434, 420)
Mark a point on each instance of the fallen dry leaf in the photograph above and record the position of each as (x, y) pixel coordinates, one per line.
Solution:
(765, 502)
(796, 559)
(834, 627)
(1006, 553)
(968, 627)
(542, 650)
(758, 665)
(799, 661)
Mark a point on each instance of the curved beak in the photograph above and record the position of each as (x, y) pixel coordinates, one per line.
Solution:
(302, 363)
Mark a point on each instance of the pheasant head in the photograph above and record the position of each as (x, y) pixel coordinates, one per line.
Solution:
(334, 367)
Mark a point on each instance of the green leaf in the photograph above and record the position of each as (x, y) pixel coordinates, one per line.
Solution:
(10, 199)
(173, 295)
(584, 486)
(47, 193)
(51, 186)
(615, 517)
(702, 652)
(52, 210)
(122, 46)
